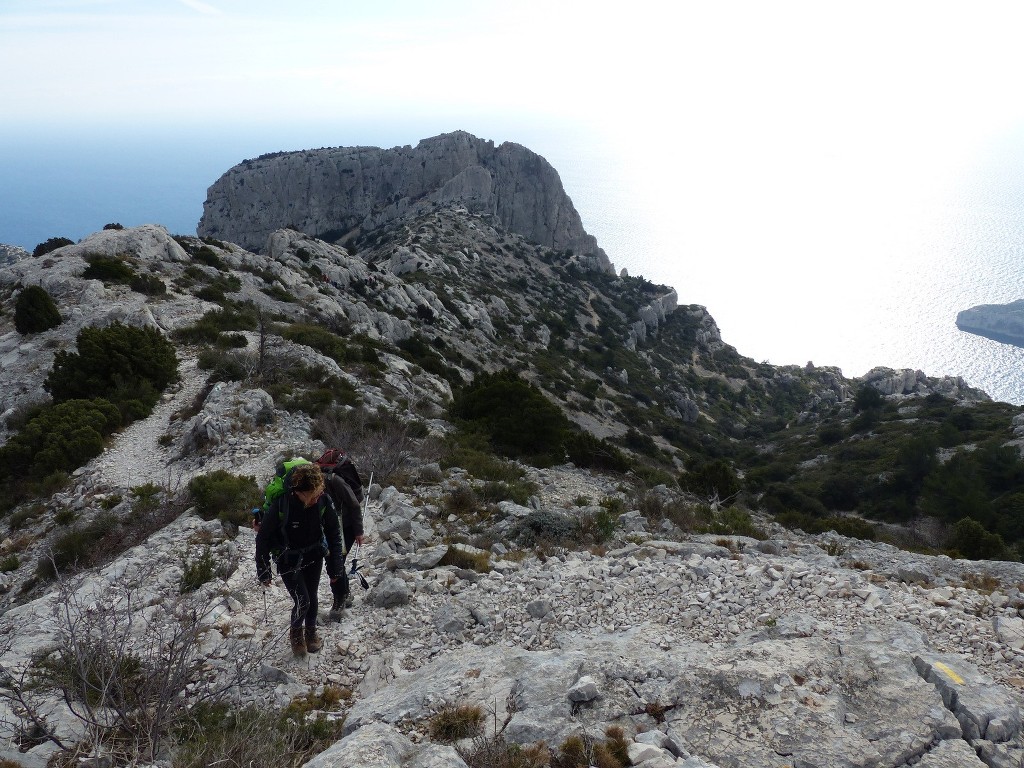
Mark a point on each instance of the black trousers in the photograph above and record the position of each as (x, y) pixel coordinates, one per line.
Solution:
(340, 587)
(301, 577)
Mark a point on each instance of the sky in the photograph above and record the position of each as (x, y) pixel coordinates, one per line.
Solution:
(776, 138)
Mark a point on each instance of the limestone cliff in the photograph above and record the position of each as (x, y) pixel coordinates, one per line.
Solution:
(341, 193)
(1001, 322)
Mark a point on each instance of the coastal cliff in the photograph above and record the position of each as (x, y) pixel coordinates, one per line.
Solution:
(1000, 322)
(345, 193)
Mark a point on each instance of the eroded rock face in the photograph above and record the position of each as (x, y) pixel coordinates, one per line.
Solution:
(342, 191)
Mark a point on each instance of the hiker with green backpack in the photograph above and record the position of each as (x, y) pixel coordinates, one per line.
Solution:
(299, 528)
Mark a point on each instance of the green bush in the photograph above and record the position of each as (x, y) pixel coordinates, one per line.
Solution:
(150, 285)
(585, 450)
(51, 245)
(59, 437)
(208, 328)
(867, 398)
(515, 416)
(34, 311)
(224, 496)
(108, 269)
(971, 540)
(197, 572)
(118, 362)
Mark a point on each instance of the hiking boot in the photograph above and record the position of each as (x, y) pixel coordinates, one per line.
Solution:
(336, 612)
(313, 643)
(298, 641)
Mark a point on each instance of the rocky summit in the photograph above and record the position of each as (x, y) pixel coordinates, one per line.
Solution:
(564, 613)
(342, 193)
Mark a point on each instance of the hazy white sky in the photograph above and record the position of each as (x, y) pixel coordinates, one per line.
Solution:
(693, 68)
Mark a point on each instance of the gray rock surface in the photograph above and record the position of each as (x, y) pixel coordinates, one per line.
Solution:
(334, 192)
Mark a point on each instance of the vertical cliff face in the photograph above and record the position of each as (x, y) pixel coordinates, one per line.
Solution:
(347, 191)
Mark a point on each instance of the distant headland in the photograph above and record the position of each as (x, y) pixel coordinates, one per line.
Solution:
(999, 322)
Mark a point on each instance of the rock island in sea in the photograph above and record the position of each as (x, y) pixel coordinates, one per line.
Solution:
(1000, 322)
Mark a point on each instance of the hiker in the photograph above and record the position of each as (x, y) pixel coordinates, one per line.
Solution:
(345, 487)
(293, 529)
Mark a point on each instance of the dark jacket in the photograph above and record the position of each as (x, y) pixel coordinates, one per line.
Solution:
(345, 499)
(289, 531)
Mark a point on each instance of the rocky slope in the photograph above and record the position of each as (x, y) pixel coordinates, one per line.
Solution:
(350, 192)
(709, 651)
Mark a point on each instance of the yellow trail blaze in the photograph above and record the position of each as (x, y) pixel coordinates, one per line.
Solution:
(949, 673)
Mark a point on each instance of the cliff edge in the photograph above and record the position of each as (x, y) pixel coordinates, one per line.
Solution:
(343, 193)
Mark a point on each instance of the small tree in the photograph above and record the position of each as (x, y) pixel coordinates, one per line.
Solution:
(867, 398)
(119, 362)
(51, 245)
(34, 311)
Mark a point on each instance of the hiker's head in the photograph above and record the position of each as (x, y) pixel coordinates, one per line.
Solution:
(307, 482)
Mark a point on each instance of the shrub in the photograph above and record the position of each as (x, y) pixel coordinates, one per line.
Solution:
(113, 225)
(75, 547)
(9, 563)
(735, 522)
(867, 398)
(545, 526)
(107, 269)
(51, 245)
(34, 311)
(150, 285)
(711, 479)
(60, 437)
(518, 491)
(469, 561)
(515, 416)
(382, 443)
(224, 496)
(116, 362)
(454, 723)
(197, 572)
(585, 450)
(970, 539)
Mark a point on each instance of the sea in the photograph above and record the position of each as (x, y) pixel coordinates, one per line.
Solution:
(854, 258)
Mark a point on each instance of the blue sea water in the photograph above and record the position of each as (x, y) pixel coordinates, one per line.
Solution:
(840, 267)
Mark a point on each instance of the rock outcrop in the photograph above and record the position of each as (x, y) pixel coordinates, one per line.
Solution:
(910, 382)
(344, 192)
(11, 253)
(1000, 322)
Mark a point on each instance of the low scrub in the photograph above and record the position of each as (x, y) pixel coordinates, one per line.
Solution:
(220, 495)
(35, 311)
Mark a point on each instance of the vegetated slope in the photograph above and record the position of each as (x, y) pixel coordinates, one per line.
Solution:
(593, 566)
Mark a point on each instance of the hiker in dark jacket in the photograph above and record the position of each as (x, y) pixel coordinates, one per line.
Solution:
(348, 502)
(293, 530)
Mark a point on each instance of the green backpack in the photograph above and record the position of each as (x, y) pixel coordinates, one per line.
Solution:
(275, 488)
(278, 484)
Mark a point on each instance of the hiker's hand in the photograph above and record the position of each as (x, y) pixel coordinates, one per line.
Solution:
(334, 579)
(265, 583)
(358, 540)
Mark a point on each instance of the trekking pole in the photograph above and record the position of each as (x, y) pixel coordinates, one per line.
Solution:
(266, 616)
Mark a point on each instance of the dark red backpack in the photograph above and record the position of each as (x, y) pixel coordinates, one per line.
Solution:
(337, 461)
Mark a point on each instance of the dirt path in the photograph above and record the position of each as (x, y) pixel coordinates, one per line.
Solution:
(136, 456)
